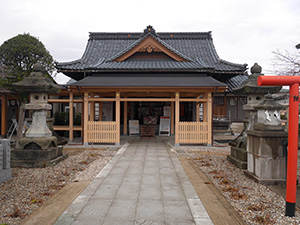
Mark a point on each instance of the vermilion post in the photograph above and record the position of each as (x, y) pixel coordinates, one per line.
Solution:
(291, 177)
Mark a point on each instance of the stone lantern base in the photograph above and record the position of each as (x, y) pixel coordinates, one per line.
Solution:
(37, 152)
(266, 156)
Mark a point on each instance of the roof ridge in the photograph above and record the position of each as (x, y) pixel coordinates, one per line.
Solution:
(233, 64)
(162, 35)
(149, 31)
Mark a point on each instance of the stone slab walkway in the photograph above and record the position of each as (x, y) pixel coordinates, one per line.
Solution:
(143, 184)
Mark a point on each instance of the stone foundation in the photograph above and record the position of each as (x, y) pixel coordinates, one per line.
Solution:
(37, 158)
(266, 157)
(238, 156)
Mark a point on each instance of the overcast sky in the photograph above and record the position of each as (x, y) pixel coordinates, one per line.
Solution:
(243, 31)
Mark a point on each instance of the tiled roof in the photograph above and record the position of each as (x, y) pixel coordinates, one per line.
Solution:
(235, 81)
(197, 48)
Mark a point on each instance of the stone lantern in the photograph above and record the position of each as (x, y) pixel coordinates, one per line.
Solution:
(38, 148)
(266, 156)
(255, 96)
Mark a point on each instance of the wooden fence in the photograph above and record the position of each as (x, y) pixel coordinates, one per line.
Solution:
(102, 132)
(193, 133)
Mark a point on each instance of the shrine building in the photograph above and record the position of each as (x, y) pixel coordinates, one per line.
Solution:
(146, 78)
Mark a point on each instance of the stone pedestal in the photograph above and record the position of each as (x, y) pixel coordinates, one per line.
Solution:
(5, 168)
(38, 148)
(266, 156)
(37, 158)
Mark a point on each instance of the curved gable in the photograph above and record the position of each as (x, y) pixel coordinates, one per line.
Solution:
(148, 45)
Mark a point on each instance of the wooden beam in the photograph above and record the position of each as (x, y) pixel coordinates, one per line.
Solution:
(147, 99)
(125, 117)
(177, 118)
(71, 116)
(209, 118)
(78, 128)
(102, 99)
(85, 117)
(64, 100)
(118, 117)
(146, 89)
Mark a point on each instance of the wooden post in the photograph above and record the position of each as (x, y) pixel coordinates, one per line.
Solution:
(205, 105)
(3, 115)
(71, 115)
(177, 118)
(118, 117)
(100, 110)
(125, 117)
(209, 118)
(92, 109)
(86, 117)
(172, 118)
(197, 111)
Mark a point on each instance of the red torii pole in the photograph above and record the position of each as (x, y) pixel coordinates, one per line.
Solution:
(291, 177)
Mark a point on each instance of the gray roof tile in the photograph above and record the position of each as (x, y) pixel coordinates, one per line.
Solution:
(196, 48)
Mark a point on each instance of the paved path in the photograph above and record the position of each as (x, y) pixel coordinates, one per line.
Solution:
(143, 184)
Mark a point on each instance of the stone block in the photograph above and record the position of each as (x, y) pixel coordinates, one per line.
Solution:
(270, 168)
(266, 156)
(6, 153)
(5, 175)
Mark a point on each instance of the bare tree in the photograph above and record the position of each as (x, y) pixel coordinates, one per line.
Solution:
(287, 62)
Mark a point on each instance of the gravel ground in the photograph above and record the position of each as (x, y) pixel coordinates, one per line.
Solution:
(255, 203)
(30, 188)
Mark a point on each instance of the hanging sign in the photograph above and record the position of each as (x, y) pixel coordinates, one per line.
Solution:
(167, 111)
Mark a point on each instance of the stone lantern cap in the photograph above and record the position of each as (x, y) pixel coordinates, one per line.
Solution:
(37, 82)
(250, 86)
(269, 104)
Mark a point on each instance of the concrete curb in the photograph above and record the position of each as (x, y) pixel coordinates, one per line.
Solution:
(196, 206)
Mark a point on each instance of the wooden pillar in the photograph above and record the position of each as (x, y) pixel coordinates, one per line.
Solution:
(71, 116)
(197, 111)
(86, 117)
(100, 110)
(209, 118)
(205, 109)
(172, 118)
(118, 117)
(3, 115)
(92, 109)
(177, 118)
(125, 117)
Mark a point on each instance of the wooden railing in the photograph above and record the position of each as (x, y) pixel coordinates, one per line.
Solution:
(102, 132)
(193, 133)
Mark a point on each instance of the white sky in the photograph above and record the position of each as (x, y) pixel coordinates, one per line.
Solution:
(244, 31)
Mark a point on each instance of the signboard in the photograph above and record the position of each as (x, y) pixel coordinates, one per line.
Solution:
(164, 126)
(167, 111)
(134, 127)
